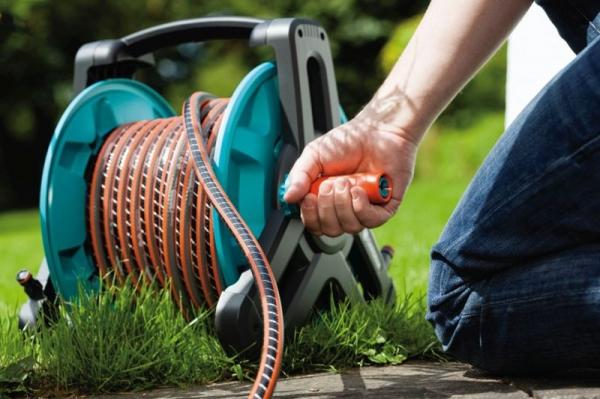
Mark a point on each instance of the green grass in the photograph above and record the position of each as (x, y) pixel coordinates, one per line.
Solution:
(106, 344)
(446, 162)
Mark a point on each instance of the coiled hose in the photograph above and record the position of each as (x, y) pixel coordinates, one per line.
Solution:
(150, 200)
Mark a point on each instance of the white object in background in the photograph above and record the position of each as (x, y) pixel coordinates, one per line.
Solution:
(536, 53)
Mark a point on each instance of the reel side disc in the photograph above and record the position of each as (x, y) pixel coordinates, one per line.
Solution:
(245, 161)
(77, 138)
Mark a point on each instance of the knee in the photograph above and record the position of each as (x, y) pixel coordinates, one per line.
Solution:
(453, 309)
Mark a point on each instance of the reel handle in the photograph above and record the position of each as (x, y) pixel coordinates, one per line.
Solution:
(188, 30)
(122, 57)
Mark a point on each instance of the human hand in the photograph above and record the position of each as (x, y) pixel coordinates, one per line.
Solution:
(355, 147)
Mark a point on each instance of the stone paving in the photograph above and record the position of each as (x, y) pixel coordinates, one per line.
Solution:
(414, 379)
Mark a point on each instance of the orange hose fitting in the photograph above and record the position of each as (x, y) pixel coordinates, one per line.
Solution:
(377, 185)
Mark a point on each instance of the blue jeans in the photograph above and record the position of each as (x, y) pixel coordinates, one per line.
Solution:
(515, 277)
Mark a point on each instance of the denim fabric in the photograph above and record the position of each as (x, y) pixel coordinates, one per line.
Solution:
(515, 277)
(577, 21)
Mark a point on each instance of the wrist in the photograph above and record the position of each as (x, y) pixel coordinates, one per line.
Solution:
(394, 114)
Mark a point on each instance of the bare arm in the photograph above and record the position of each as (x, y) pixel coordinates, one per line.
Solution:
(454, 39)
(452, 42)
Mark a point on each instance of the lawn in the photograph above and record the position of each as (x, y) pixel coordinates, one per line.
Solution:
(132, 349)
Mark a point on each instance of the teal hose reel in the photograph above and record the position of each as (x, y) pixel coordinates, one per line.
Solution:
(244, 160)
(273, 113)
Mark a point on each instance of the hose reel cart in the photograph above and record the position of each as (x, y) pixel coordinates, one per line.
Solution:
(121, 188)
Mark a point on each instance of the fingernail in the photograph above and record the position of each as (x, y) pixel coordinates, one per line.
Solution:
(354, 194)
(340, 186)
(326, 188)
(308, 203)
(286, 195)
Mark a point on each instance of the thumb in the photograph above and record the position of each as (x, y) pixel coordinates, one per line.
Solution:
(306, 170)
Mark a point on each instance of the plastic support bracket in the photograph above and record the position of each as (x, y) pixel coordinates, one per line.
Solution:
(305, 266)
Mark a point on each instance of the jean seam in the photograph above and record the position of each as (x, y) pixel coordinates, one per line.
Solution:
(470, 315)
(584, 150)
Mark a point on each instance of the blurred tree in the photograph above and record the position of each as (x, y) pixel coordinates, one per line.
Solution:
(39, 38)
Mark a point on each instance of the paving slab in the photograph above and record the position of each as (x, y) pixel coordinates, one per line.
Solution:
(413, 379)
(579, 384)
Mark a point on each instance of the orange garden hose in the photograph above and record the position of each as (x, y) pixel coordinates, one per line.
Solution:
(150, 202)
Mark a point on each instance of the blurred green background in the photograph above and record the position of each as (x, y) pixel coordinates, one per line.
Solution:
(39, 38)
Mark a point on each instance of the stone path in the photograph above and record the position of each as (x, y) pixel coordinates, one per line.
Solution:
(415, 379)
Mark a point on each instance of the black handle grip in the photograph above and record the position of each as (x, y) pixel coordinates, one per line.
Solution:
(189, 30)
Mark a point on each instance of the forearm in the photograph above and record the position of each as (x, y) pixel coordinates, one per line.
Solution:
(454, 39)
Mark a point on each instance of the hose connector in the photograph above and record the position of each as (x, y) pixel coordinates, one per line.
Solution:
(33, 288)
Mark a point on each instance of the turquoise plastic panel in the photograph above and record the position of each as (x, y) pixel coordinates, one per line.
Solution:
(245, 159)
(78, 137)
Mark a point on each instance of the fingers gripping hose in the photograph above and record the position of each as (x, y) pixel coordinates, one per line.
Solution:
(150, 200)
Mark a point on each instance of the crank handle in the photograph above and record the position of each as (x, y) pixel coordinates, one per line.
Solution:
(377, 185)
